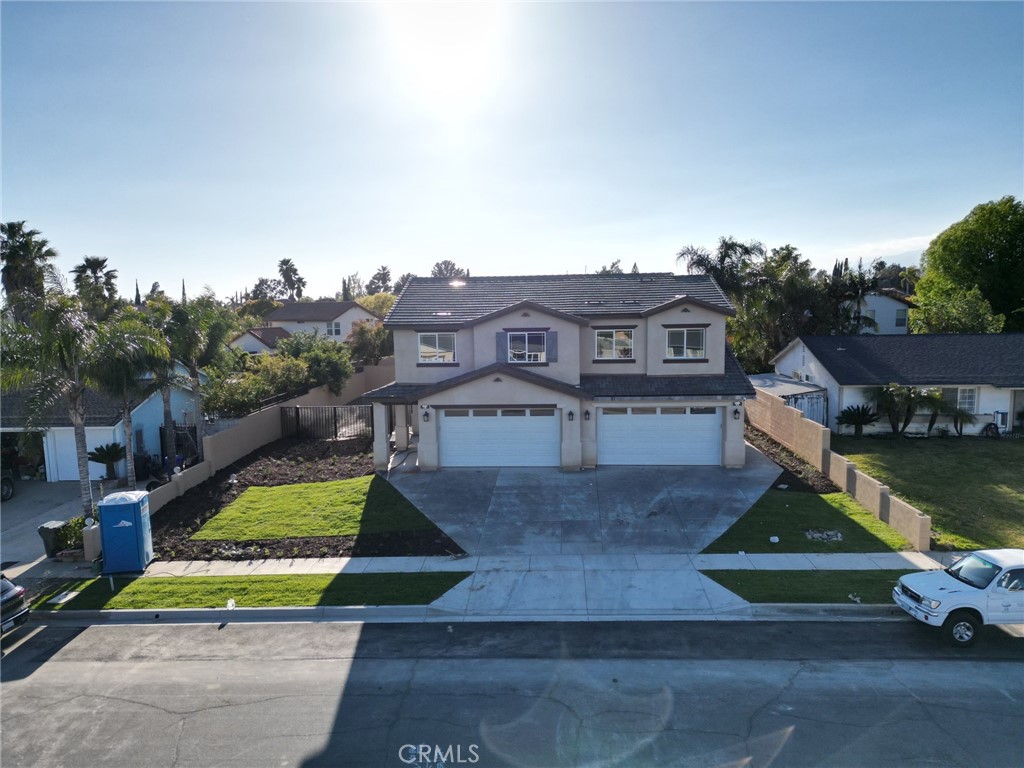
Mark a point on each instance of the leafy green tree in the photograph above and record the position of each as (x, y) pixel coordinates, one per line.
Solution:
(268, 288)
(380, 282)
(447, 268)
(26, 258)
(985, 249)
(327, 362)
(96, 285)
(943, 308)
(615, 268)
(259, 308)
(379, 303)
(370, 342)
(401, 282)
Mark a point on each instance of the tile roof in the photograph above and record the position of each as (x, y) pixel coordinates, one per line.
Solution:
(996, 359)
(270, 336)
(324, 311)
(733, 383)
(441, 301)
(100, 411)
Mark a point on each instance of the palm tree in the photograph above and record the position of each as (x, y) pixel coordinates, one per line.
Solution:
(127, 373)
(96, 285)
(909, 278)
(197, 333)
(289, 272)
(727, 265)
(26, 258)
(52, 358)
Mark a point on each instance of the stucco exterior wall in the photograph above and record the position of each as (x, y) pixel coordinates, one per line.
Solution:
(885, 309)
(408, 369)
(250, 344)
(686, 314)
(588, 347)
(148, 417)
(566, 368)
(347, 319)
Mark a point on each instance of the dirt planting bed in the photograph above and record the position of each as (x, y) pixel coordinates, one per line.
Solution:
(285, 462)
(796, 473)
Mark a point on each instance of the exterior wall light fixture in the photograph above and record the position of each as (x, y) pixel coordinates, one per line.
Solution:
(426, 415)
(571, 415)
(586, 415)
(736, 413)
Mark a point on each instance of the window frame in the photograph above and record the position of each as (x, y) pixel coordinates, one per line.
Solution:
(437, 346)
(615, 347)
(542, 356)
(334, 328)
(901, 318)
(669, 355)
(961, 396)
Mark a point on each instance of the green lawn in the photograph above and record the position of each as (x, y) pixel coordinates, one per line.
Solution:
(972, 487)
(361, 505)
(873, 587)
(257, 591)
(788, 514)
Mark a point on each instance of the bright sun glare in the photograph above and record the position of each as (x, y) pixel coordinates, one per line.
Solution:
(447, 54)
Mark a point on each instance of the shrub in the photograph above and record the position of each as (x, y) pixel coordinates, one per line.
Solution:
(69, 535)
(858, 417)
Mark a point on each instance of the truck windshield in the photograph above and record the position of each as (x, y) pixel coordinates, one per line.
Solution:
(974, 570)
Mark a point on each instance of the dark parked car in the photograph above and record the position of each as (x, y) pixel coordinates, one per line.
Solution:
(6, 484)
(13, 605)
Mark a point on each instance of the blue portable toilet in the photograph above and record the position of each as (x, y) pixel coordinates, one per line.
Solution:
(125, 532)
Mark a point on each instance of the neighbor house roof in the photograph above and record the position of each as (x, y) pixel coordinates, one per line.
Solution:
(268, 336)
(100, 411)
(996, 359)
(442, 301)
(312, 311)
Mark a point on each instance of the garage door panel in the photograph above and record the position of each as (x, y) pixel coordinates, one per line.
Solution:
(660, 439)
(500, 440)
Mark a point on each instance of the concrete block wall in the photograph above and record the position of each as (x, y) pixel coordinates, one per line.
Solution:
(811, 442)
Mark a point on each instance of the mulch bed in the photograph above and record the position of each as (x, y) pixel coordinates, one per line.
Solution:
(284, 462)
(797, 474)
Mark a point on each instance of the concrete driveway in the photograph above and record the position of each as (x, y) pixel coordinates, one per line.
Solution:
(610, 510)
(34, 503)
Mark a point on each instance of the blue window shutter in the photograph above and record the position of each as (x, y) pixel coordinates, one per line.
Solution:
(551, 341)
(501, 354)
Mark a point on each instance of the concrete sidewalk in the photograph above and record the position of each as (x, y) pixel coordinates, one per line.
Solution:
(542, 588)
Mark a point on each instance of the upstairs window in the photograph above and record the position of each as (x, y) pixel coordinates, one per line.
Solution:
(901, 318)
(685, 344)
(527, 347)
(437, 347)
(615, 345)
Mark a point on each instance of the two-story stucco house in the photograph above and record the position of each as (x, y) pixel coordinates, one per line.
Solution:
(333, 319)
(888, 309)
(562, 370)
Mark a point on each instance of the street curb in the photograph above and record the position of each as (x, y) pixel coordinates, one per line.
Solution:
(422, 614)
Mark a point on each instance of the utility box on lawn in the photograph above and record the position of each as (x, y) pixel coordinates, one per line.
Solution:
(125, 532)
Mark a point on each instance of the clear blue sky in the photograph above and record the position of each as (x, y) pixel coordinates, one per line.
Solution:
(206, 141)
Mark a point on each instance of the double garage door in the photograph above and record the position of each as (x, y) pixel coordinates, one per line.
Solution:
(665, 436)
(500, 437)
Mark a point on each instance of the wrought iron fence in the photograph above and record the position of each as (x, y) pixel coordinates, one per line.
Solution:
(327, 422)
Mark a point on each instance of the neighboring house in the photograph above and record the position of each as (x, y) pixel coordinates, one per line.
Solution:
(333, 319)
(257, 340)
(810, 399)
(888, 308)
(981, 373)
(102, 425)
(563, 370)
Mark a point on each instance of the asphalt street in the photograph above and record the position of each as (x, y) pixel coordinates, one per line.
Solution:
(536, 694)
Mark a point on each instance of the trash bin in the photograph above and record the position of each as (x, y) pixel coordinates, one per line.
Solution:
(125, 533)
(48, 533)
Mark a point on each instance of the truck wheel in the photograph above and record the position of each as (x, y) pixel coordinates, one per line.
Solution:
(961, 629)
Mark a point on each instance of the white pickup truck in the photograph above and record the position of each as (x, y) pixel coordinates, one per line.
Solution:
(985, 587)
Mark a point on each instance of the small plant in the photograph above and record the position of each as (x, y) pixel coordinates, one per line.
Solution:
(108, 455)
(857, 416)
(69, 535)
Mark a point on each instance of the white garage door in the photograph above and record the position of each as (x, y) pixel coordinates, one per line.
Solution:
(500, 437)
(659, 436)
